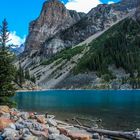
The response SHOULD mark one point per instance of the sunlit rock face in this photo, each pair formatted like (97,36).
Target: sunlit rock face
(58,27)
(98,19)
(54,18)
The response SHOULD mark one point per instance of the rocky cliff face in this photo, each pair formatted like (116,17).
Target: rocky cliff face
(53,19)
(57,27)
(98,19)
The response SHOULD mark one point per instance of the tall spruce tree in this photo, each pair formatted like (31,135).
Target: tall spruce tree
(7,70)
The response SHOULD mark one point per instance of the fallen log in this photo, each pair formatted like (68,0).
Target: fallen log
(134,135)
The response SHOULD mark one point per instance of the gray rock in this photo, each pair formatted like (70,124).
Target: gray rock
(96,136)
(29,137)
(58,137)
(26,131)
(53,130)
(10,133)
(52,122)
(19,126)
(25,115)
(6,115)
(12,126)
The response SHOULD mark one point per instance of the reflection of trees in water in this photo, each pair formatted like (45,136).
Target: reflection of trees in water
(20,100)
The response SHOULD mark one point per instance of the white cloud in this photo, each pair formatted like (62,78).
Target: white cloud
(15,39)
(82,5)
(111,2)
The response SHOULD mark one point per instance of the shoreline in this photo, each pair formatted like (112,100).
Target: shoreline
(76,90)
(16,125)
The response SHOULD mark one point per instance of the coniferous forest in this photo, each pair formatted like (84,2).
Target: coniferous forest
(120,45)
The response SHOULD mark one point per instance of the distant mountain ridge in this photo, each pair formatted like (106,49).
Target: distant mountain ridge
(18,50)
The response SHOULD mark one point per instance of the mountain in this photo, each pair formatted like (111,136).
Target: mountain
(109,59)
(54,18)
(57,27)
(113,59)
(19,49)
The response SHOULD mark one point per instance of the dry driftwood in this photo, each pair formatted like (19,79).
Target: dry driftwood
(119,134)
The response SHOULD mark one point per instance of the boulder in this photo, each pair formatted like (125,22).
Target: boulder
(5,115)
(41,119)
(4,109)
(78,136)
(19,126)
(53,130)
(58,137)
(52,122)
(10,133)
(31,115)
(96,136)
(4,122)
(30,137)
(40,133)
(63,131)
(12,126)
(24,115)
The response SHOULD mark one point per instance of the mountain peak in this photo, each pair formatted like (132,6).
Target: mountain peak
(54,17)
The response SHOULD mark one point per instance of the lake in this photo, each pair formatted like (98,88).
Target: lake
(119,110)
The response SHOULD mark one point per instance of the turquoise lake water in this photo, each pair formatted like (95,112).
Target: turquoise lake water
(117,109)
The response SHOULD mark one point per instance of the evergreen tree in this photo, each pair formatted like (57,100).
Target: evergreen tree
(27,75)
(33,79)
(7,70)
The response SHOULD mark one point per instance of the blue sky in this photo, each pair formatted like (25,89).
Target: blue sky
(19,13)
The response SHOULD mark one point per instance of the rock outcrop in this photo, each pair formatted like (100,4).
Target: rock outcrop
(53,19)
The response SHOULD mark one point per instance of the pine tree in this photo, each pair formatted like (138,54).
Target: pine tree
(27,75)
(7,70)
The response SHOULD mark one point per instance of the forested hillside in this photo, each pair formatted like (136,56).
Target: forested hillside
(120,45)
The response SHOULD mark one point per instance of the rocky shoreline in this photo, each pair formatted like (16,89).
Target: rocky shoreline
(17,125)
